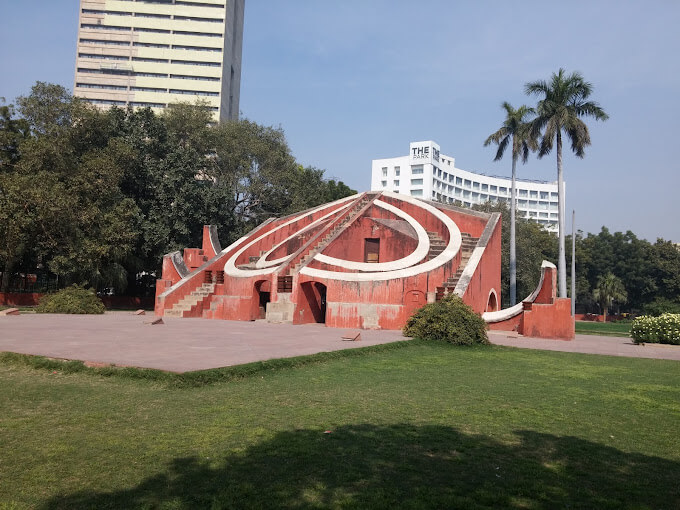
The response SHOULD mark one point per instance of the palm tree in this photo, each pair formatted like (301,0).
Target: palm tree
(515,130)
(564,101)
(609,289)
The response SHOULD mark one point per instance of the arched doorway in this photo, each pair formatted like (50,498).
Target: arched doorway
(312,303)
(261,297)
(492,303)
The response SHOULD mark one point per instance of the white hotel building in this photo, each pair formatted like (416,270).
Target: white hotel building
(428,174)
(151,53)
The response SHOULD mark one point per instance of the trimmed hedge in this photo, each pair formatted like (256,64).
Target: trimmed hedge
(664,329)
(74,299)
(449,320)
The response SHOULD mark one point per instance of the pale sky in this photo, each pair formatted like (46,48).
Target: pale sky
(356,80)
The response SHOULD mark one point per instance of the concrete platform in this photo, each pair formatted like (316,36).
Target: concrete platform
(178,345)
(181,345)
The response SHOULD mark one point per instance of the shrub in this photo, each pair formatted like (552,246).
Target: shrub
(449,320)
(74,299)
(664,329)
(660,306)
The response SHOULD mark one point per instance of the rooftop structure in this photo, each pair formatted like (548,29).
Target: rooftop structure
(154,52)
(427,173)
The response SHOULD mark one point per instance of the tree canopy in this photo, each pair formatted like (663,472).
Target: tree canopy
(98,197)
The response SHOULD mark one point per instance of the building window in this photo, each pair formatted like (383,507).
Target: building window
(152,30)
(544,195)
(148,89)
(193,92)
(194,18)
(97,86)
(467,183)
(104,27)
(148,59)
(503,191)
(102,57)
(417,192)
(416,182)
(459,181)
(196,63)
(372,250)
(105,43)
(383,183)
(415,170)
(396,183)
(485,187)
(397,171)
(384,171)
(195,48)
(189,77)
(523,193)
(150,45)
(108,102)
(533,194)
(201,34)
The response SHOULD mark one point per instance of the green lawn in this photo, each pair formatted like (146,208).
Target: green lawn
(422,426)
(603,328)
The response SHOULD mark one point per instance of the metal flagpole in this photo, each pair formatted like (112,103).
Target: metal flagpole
(573,262)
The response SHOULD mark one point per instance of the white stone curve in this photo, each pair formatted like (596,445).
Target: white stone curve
(509,313)
(230,266)
(414,257)
(452,248)
(263,262)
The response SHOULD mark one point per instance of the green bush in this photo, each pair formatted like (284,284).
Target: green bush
(449,320)
(74,299)
(664,329)
(660,306)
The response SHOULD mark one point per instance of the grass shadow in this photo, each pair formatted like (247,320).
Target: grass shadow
(403,466)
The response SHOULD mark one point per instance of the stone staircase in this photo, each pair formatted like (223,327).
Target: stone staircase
(349,216)
(193,301)
(437,245)
(468,245)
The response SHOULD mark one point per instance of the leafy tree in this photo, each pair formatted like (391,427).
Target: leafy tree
(515,132)
(563,102)
(609,289)
(73,216)
(48,107)
(308,188)
(98,197)
(12,132)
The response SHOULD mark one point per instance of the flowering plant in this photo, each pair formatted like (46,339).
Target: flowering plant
(664,329)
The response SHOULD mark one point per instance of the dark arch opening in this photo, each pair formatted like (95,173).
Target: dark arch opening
(313,305)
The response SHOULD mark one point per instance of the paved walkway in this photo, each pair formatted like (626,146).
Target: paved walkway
(181,345)
(590,344)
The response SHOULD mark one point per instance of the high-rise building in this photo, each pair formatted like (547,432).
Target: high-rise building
(155,52)
(427,173)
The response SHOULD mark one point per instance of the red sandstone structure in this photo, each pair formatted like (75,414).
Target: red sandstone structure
(366,261)
(541,315)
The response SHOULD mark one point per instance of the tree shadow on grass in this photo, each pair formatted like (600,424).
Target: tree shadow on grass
(404,466)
